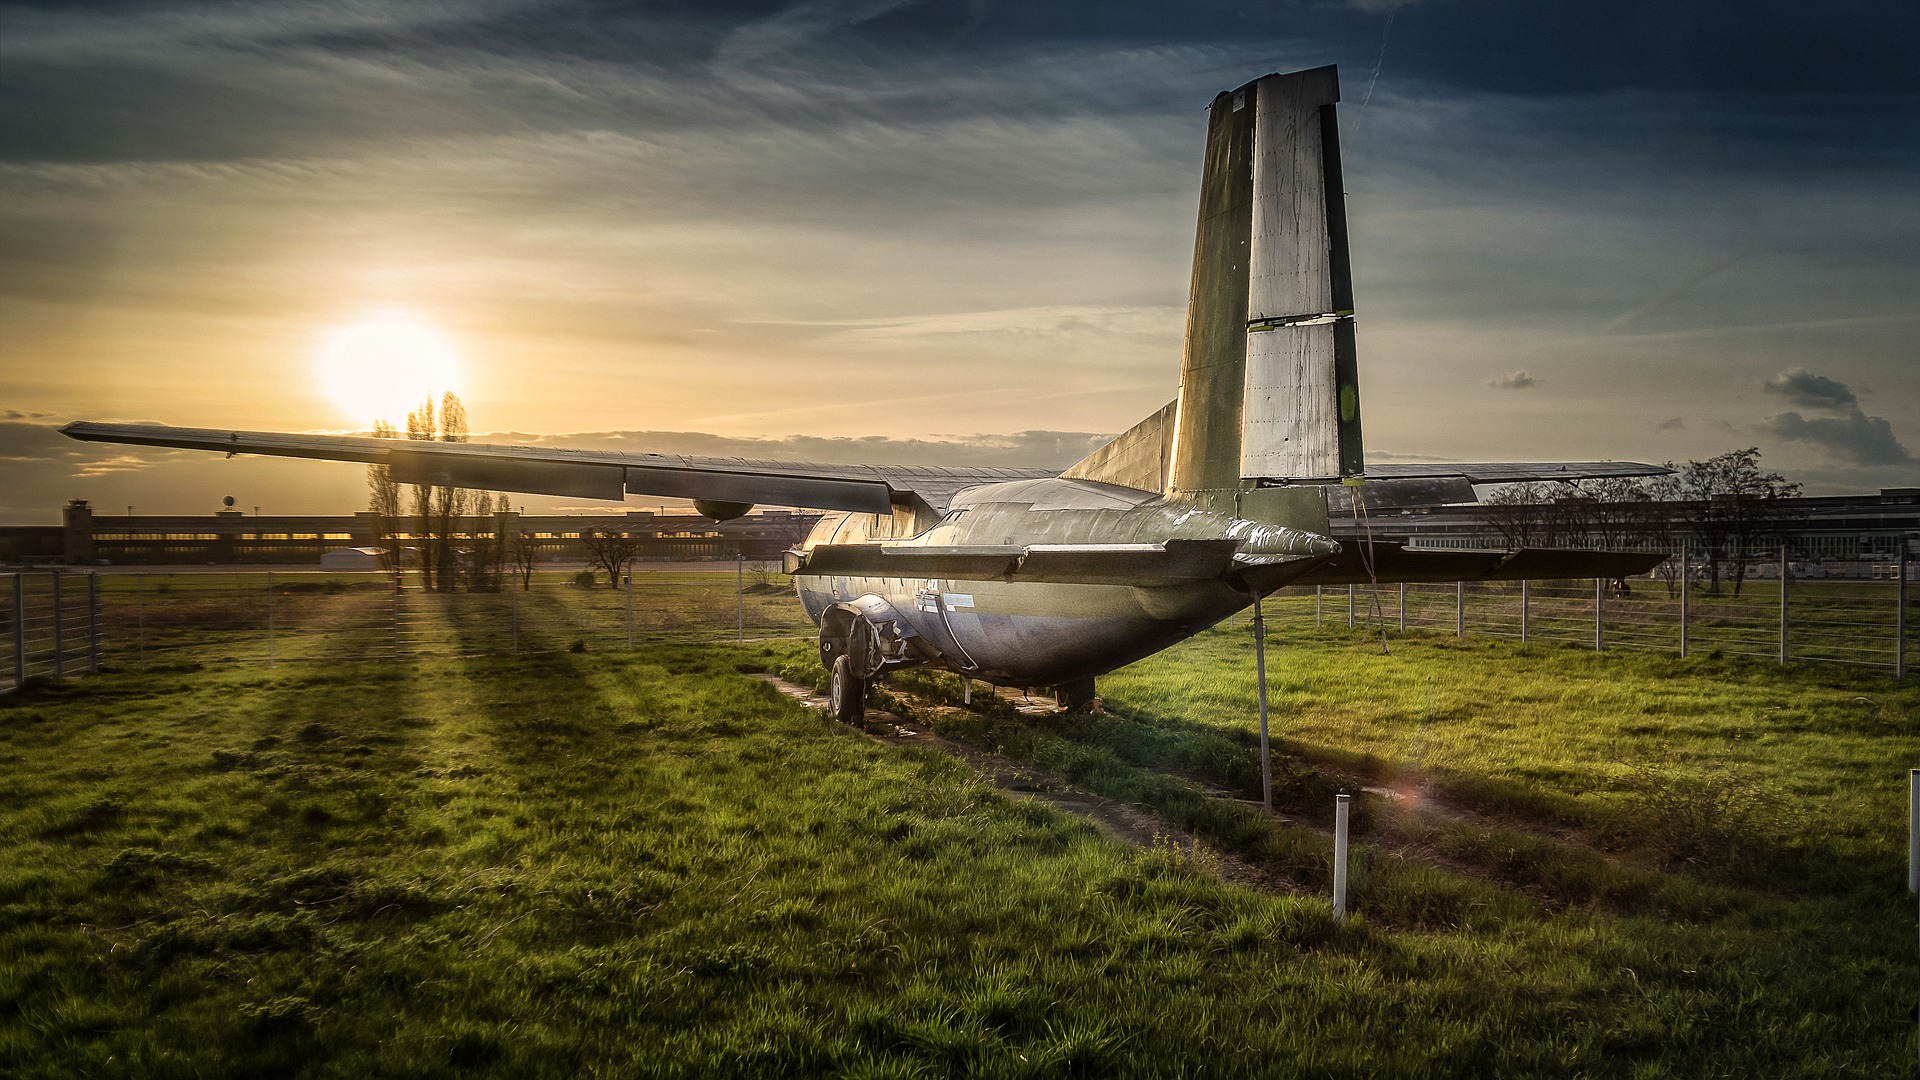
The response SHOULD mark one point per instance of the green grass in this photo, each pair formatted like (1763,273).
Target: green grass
(647,863)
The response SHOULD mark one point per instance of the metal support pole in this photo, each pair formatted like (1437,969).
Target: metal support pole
(1599,614)
(1913,831)
(629,611)
(1353,594)
(1260,682)
(59,630)
(1686,588)
(19,630)
(740,597)
(1403,607)
(1341,804)
(93,624)
(270,606)
(1459,609)
(515,633)
(966,690)
(1786,577)
(140,609)
(1316,605)
(1526,609)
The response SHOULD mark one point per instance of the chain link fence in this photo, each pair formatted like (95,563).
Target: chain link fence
(55,624)
(1863,623)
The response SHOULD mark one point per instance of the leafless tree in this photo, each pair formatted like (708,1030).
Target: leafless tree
(1521,513)
(524,551)
(1731,504)
(609,549)
(383,498)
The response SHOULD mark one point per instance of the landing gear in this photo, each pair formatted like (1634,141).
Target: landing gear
(847,693)
(1077,696)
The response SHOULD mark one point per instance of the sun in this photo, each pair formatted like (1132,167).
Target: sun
(383,366)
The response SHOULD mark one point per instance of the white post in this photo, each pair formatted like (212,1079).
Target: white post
(1686,587)
(1403,607)
(93,622)
(59,630)
(1526,608)
(19,630)
(1786,575)
(1459,609)
(1340,807)
(1316,605)
(966,691)
(1900,614)
(1599,614)
(1353,592)
(1913,831)
(1260,679)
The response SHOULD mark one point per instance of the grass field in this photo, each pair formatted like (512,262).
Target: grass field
(648,863)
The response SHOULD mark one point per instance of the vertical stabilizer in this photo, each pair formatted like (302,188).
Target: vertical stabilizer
(1268,382)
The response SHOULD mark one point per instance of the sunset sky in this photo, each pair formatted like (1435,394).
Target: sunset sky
(937,231)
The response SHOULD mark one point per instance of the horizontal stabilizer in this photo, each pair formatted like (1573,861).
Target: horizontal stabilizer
(1174,563)
(1513,472)
(1391,562)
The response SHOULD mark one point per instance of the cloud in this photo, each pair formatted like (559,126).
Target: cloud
(1810,391)
(1854,436)
(1849,435)
(1514,380)
(1671,423)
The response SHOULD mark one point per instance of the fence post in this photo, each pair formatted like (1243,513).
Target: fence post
(93,624)
(1526,602)
(1459,609)
(629,611)
(140,614)
(1786,574)
(1316,605)
(1260,681)
(1900,615)
(740,598)
(1686,589)
(1403,607)
(1341,803)
(515,632)
(59,631)
(270,606)
(1599,614)
(1353,591)
(19,630)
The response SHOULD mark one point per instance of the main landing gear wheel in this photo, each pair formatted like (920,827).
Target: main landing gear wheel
(847,697)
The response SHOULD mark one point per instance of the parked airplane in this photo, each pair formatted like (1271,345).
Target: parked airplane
(1031,578)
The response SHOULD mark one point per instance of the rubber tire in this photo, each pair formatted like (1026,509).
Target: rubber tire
(847,694)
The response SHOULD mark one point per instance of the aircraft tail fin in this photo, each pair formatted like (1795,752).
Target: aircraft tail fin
(1268,384)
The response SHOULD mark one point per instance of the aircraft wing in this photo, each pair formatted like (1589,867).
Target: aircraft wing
(589,474)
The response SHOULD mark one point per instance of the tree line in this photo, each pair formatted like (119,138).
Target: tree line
(1721,509)
(432,514)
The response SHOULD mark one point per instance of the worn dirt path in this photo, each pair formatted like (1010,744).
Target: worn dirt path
(1128,824)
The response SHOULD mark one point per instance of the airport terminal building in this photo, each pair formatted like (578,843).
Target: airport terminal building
(86,537)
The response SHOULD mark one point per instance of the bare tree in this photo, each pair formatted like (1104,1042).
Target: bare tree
(1521,514)
(609,549)
(383,498)
(524,550)
(440,507)
(1731,504)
